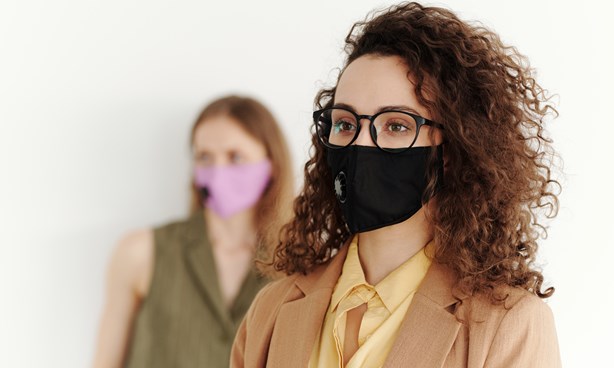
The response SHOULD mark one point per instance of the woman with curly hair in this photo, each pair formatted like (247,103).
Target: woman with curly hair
(414,237)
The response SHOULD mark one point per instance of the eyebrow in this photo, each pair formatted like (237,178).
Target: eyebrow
(380,109)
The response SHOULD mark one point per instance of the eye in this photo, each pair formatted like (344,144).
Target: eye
(203,158)
(396,127)
(343,126)
(399,126)
(236,157)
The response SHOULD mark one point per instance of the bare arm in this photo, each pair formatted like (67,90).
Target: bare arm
(128,278)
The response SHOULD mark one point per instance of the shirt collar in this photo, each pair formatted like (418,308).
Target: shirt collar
(393,289)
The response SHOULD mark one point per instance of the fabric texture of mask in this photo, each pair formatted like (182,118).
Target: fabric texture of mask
(377,188)
(231,189)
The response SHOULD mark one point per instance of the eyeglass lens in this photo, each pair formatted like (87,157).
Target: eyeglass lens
(338,127)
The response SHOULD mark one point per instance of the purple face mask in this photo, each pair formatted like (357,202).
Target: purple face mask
(233,188)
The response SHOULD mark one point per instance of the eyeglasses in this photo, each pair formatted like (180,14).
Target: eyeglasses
(391,130)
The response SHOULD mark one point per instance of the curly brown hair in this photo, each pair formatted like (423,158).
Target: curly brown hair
(498,185)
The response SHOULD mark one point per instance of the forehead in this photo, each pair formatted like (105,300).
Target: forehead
(371,82)
(220,133)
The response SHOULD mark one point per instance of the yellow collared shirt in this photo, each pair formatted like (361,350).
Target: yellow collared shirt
(387,304)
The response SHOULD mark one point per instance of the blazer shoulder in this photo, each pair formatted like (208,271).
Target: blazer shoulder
(520,332)
(522,312)
(270,298)
(516,299)
(526,335)
(274,294)
(519,297)
(522,306)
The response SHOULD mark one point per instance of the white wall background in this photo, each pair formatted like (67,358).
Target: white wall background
(96,99)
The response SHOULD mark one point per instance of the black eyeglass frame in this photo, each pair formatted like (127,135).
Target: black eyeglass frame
(420,121)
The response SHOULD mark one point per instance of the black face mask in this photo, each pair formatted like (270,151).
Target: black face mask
(377,188)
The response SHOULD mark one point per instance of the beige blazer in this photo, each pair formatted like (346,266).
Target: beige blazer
(439,330)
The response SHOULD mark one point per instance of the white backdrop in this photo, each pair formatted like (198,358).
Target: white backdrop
(97,97)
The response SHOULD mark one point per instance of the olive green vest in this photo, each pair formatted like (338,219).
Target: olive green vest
(183,321)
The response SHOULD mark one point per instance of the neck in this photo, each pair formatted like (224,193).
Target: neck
(237,232)
(383,250)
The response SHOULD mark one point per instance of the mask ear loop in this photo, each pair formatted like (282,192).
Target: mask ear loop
(204,193)
(436,171)
(440,167)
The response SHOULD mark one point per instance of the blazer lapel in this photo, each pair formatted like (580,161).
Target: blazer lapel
(201,267)
(301,316)
(430,326)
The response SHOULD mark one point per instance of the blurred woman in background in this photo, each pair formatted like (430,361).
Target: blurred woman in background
(177,293)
